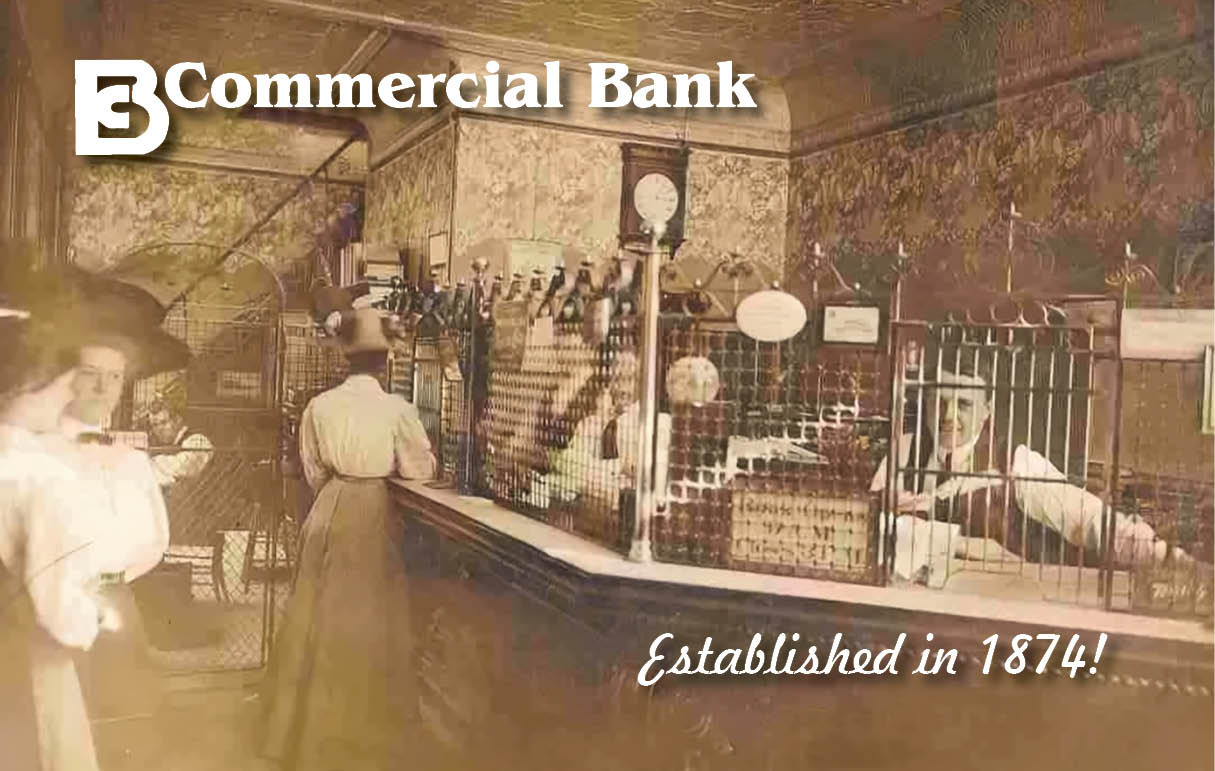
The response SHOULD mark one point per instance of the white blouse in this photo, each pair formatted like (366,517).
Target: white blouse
(50,539)
(70,514)
(133,509)
(358,430)
(581,469)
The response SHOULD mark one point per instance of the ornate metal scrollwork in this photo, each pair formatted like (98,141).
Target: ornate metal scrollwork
(818,263)
(1130,272)
(899,267)
(1188,282)
(1013,310)
(699,301)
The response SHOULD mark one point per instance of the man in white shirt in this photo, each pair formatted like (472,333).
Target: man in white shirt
(182,452)
(599,460)
(952,500)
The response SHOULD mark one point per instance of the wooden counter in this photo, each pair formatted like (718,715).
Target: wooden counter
(531,639)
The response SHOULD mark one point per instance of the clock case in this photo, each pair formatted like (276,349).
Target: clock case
(640,160)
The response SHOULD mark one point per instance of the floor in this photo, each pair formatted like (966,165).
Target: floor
(205,723)
(209,712)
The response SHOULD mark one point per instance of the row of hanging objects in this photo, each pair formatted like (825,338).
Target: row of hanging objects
(570,302)
(433,306)
(546,294)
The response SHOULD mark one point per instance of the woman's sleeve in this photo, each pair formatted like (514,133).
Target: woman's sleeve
(59,567)
(310,452)
(149,544)
(414,459)
(1070,510)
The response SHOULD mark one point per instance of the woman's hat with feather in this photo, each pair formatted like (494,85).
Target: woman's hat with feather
(358,330)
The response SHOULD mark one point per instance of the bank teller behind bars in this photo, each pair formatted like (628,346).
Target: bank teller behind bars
(600,459)
(943,515)
(181,452)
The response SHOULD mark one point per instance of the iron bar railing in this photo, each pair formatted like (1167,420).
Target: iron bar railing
(778,466)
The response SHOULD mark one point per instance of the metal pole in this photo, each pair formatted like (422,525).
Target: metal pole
(1109,517)
(896,377)
(640,550)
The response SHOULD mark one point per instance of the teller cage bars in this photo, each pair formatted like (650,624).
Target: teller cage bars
(1165,479)
(551,429)
(770,471)
(438,370)
(212,432)
(311,364)
(993,464)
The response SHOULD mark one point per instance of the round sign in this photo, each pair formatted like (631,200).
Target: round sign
(770,316)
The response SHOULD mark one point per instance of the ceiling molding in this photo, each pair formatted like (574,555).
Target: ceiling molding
(367,51)
(625,135)
(416,134)
(320,120)
(243,161)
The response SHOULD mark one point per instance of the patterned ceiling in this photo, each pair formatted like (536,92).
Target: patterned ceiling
(228,36)
(769,37)
(840,62)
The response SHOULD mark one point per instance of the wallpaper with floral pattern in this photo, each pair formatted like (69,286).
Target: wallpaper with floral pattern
(542,183)
(536,183)
(1123,155)
(738,203)
(409,198)
(118,207)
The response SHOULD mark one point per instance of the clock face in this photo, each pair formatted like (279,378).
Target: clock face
(655,198)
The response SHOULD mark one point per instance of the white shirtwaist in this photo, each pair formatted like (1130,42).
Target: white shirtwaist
(51,542)
(1069,510)
(356,429)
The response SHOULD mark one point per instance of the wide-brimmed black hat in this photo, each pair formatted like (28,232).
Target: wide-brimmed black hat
(82,308)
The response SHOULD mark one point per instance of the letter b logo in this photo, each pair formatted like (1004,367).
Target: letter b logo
(94,107)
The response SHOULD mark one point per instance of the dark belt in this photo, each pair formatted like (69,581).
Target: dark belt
(112,579)
(358,480)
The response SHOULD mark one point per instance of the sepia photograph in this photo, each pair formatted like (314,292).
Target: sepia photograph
(618,385)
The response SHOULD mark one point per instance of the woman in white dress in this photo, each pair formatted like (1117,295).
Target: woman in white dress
(76,520)
(341,683)
(50,551)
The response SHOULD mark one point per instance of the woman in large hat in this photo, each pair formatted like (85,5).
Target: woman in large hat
(52,543)
(119,337)
(81,519)
(340,689)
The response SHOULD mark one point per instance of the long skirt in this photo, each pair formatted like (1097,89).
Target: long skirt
(340,684)
(43,723)
(116,674)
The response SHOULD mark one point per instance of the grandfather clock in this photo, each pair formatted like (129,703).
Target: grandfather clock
(654,178)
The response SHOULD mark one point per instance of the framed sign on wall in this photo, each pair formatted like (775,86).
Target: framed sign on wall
(852,324)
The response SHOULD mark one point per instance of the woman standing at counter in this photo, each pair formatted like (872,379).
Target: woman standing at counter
(340,680)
